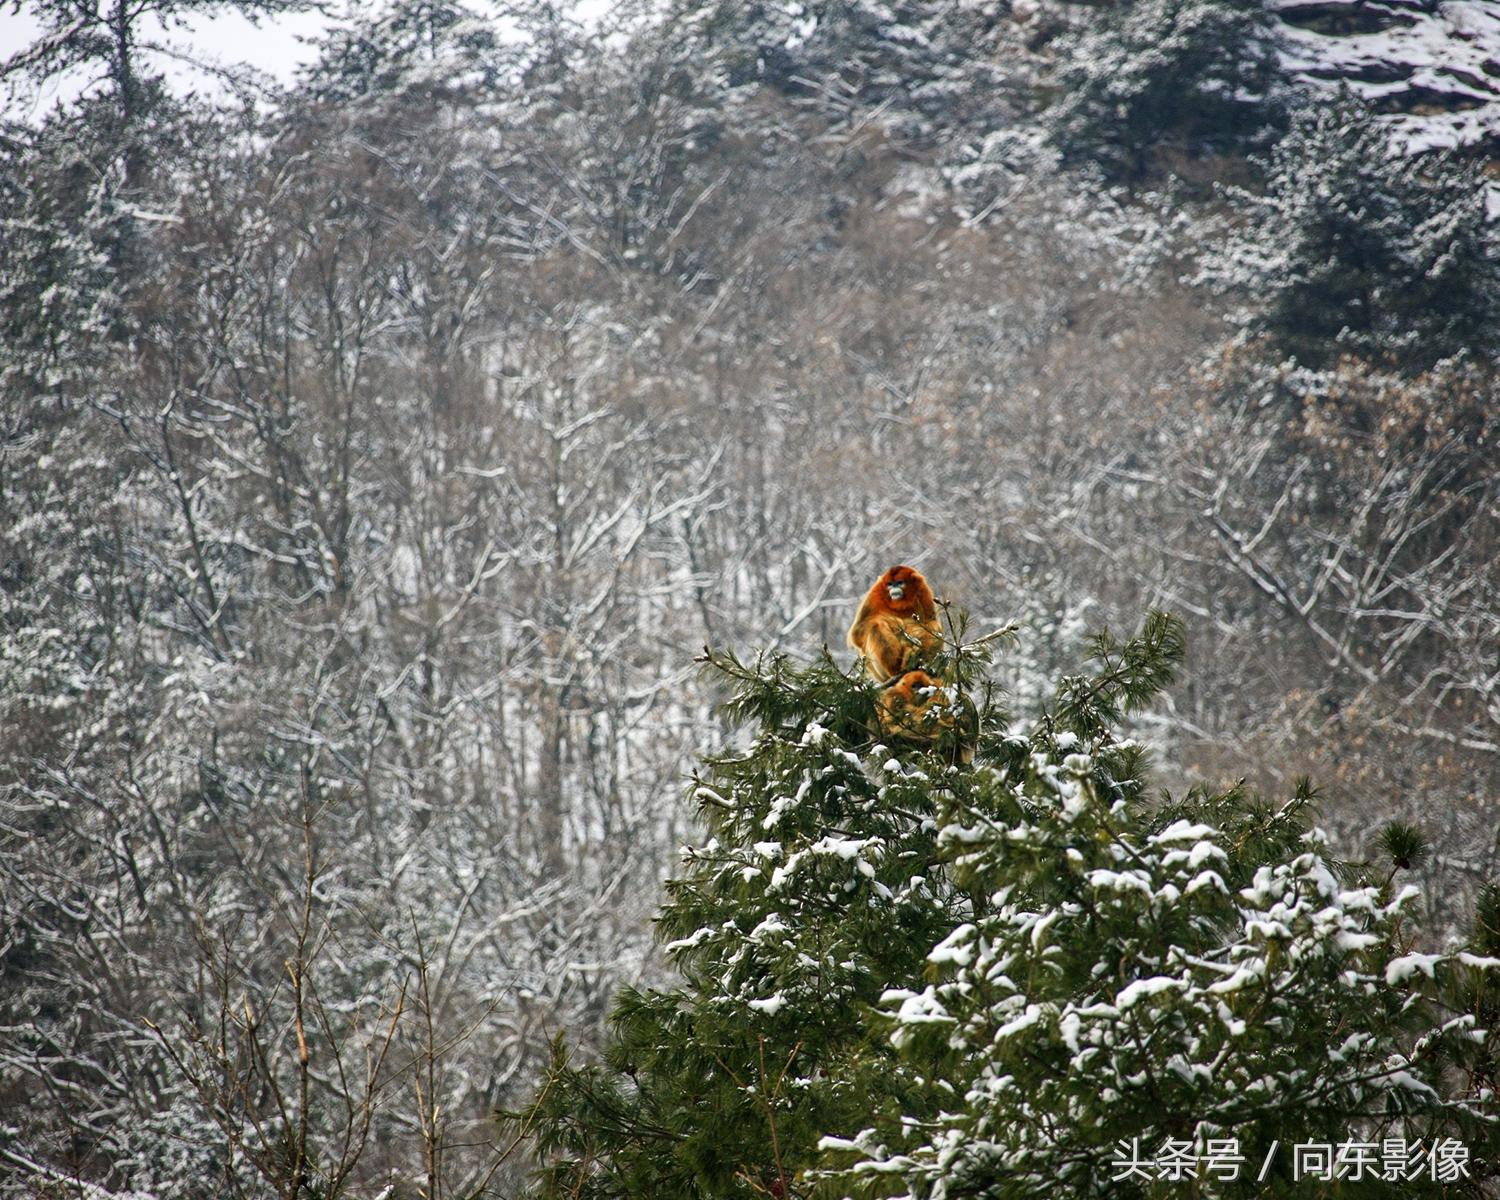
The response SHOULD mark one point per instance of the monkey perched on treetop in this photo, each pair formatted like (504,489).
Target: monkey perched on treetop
(896,626)
(896,632)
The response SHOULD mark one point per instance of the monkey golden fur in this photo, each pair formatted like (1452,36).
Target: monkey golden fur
(896,632)
(896,626)
(914,707)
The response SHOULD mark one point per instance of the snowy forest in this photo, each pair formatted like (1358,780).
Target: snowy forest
(434,494)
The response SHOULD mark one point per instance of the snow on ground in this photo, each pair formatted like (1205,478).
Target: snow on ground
(1433,68)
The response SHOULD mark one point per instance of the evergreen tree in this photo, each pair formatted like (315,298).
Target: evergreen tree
(111,46)
(431,52)
(818,890)
(1183,990)
(1354,247)
(926,64)
(59,221)
(901,976)
(1138,73)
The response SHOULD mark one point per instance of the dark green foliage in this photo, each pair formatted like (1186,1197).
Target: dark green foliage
(821,887)
(1357,247)
(896,971)
(1404,846)
(1487,920)
(818,889)
(1188,971)
(1143,979)
(924,65)
(1476,993)
(1129,675)
(1199,74)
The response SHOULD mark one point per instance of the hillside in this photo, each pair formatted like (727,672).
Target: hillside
(379,454)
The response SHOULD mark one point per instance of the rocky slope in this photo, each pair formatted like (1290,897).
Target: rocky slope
(1433,67)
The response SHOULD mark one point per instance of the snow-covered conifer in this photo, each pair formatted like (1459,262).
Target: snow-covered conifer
(1354,248)
(905,977)
(1137,74)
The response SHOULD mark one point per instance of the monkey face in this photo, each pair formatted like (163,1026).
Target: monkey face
(898,582)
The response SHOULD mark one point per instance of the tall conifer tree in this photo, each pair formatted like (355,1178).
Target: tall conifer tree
(905,976)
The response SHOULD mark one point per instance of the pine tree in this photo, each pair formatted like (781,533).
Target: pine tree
(1192,982)
(1354,247)
(903,976)
(431,52)
(1138,73)
(925,64)
(114,47)
(819,888)
(59,299)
